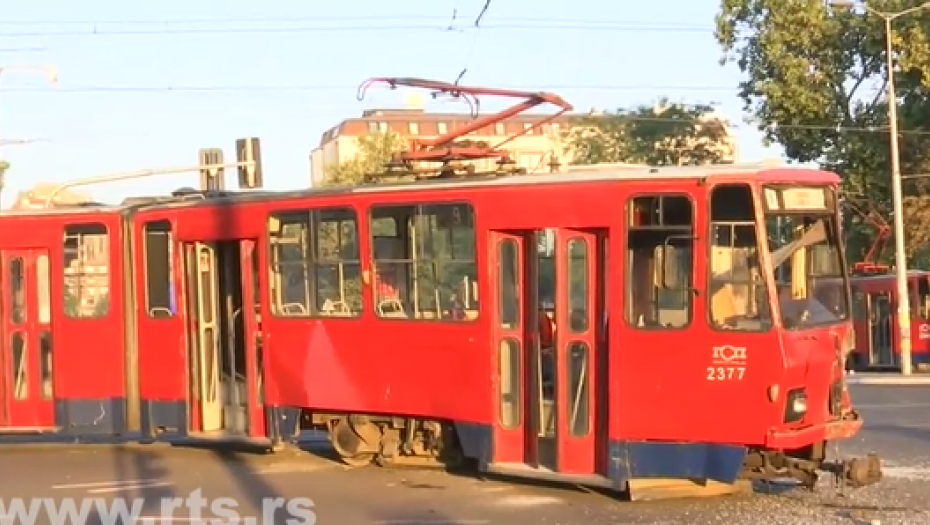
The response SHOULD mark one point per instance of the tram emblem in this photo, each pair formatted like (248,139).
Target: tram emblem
(728,354)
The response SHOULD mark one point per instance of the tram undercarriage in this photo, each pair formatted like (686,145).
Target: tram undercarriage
(361,439)
(396,441)
(767,465)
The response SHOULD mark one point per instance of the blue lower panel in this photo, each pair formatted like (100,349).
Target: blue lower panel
(634,459)
(630,460)
(163,418)
(91,416)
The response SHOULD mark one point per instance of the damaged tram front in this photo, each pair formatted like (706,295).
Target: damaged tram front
(789,292)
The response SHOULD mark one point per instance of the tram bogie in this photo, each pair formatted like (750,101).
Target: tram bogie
(361,439)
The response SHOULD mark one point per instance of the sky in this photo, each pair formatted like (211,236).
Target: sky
(145,85)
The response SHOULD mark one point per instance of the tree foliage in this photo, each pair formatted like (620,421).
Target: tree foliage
(4,166)
(374,151)
(814,83)
(662,135)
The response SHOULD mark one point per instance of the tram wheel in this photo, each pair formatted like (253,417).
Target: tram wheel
(348,444)
(358,460)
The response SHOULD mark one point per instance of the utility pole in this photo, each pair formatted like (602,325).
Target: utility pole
(897,194)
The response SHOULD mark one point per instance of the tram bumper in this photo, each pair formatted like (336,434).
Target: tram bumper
(843,427)
(853,472)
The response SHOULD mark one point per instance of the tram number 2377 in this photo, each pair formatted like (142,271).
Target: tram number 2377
(725,373)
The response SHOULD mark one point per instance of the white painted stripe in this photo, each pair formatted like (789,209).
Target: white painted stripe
(110,490)
(174,519)
(112,483)
(431,522)
(891,405)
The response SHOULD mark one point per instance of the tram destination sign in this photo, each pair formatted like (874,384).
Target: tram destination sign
(798,199)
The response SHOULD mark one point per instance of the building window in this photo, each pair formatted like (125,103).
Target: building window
(315,263)
(528,127)
(372,127)
(383,127)
(425,264)
(87,271)
(500,128)
(660,262)
(413,128)
(442,128)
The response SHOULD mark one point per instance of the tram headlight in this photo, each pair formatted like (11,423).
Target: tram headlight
(795,406)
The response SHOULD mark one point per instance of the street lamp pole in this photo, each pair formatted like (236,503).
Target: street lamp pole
(897,194)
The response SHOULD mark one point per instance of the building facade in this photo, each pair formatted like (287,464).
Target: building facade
(533,151)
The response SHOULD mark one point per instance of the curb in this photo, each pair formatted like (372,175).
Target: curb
(889,379)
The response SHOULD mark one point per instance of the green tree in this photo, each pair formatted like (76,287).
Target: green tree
(374,151)
(3,167)
(666,134)
(814,83)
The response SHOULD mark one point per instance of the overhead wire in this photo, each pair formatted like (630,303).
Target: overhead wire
(97,32)
(41,88)
(474,40)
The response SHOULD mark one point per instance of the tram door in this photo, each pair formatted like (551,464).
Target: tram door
(224,370)
(551,395)
(881,328)
(26,383)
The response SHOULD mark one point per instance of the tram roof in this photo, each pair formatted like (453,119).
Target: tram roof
(574,175)
(764,171)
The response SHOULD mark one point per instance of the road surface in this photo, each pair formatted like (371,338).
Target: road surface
(898,428)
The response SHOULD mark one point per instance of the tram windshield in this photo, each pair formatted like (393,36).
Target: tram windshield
(808,272)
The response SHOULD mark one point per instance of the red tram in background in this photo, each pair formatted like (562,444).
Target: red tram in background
(694,336)
(876,320)
(875,304)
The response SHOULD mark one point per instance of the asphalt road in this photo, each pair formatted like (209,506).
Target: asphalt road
(898,428)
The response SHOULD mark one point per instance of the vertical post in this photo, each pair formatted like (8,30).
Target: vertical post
(897,199)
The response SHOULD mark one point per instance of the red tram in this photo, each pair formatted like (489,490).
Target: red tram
(876,320)
(404,320)
(374,309)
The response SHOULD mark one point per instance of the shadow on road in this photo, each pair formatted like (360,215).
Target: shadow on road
(139,474)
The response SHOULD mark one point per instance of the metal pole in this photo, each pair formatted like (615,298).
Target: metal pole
(897,201)
(116,177)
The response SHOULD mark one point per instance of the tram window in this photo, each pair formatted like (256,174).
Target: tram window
(17,291)
(20,366)
(315,268)
(509,285)
(159,275)
(578,391)
(923,298)
(510,373)
(43,289)
(428,269)
(860,307)
(45,365)
(737,295)
(660,261)
(808,269)
(86,268)
(579,293)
